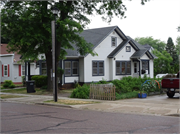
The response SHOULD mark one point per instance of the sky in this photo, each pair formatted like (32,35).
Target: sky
(157,18)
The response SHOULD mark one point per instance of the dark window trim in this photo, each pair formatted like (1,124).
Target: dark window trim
(115,41)
(121,67)
(97,67)
(129,48)
(148,65)
(71,69)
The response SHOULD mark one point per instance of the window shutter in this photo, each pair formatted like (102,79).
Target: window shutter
(19,70)
(8,70)
(2,71)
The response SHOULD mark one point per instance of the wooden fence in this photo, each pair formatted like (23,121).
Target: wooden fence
(102,92)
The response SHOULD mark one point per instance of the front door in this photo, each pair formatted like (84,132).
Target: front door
(136,69)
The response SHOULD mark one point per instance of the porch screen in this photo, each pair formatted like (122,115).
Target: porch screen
(123,67)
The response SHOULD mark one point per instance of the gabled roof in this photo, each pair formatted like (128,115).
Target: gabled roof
(139,53)
(147,46)
(118,48)
(95,37)
(5,52)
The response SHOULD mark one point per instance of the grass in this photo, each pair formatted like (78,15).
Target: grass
(71,102)
(133,94)
(24,91)
(38,91)
(6,96)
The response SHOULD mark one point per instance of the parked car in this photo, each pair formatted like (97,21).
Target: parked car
(160,75)
(170,84)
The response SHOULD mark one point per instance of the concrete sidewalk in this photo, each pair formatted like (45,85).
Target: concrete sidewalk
(159,105)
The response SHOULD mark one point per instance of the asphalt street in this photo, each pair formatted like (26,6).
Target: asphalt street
(31,118)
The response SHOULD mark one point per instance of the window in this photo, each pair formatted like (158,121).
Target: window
(5,70)
(97,68)
(113,41)
(71,68)
(135,67)
(128,48)
(145,65)
(23,69)
(123,67)
(44,69)
(74,67)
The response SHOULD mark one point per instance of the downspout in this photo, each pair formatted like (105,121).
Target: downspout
(139,67)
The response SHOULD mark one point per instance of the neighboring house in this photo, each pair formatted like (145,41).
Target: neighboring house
(148,47)
(11,67)
(118,56)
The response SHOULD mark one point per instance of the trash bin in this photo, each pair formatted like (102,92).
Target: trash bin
(30,86)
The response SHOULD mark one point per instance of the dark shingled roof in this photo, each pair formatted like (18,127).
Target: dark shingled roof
(139,53)
(94,36)
(147,46)
(97,35)
(118,48)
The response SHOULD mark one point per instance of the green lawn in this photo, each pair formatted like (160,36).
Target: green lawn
(38,91)
(6,96)
(24,91)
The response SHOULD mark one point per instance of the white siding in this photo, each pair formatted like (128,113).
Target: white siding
(144,57)
(71,79)
(103,50)
(151,62)
(123,55)
(81,70)
(7,60)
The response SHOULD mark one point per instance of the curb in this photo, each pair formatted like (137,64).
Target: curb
(51,104)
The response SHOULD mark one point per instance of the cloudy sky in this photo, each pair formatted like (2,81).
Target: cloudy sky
(157,18)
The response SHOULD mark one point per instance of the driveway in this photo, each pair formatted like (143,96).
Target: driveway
(153,105)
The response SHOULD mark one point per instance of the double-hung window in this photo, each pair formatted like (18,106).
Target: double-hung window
(123,67)
(145,65)
(5,70)
(71,68)
(23,69)
(113,41)
(44,69)
(98,68)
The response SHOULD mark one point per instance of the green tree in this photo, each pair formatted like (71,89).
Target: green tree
(178,45)
(155,43)
(170,48)
(162,63)
(28,26)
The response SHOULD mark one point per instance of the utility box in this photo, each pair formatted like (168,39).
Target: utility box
(30,86)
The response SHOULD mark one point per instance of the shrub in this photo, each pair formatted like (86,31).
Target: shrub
(12,86)
(44,87)
(40,80)
(81,92)
(7,83)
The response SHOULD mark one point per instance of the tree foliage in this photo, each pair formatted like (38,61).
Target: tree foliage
(178,45)
(28,26)
(162,63)
(155,43)
(170,48)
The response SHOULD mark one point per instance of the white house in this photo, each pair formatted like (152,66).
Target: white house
(118,56)
(11,67)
